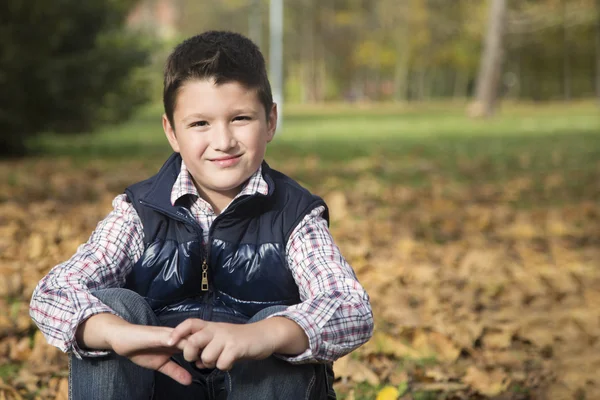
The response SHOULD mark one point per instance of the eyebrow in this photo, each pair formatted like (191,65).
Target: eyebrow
(243,111)
(194,116)
(235,111)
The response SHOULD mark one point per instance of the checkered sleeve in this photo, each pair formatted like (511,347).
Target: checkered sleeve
(335,311)
(63,299)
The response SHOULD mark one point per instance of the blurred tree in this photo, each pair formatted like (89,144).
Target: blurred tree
(490,70)
(598,50)
(66,66)
(410,49)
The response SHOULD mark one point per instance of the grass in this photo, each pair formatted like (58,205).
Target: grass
(413,144)
(8,370)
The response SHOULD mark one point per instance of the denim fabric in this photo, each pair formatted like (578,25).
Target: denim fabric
(115,377)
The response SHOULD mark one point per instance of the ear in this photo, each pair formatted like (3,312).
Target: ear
(170,133)
(272,123)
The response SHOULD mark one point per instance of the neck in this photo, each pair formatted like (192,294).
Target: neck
(218,200)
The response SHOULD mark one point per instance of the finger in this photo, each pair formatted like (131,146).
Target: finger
(195,344)
(226,360)
(186,328)
(211,353)
(176,372)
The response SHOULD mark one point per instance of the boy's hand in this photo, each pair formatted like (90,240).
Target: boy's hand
(144,345)
(220,345)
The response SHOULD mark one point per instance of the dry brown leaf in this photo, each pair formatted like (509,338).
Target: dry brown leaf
(27,380)
(445,387)
(444,348)
(490,383)
(498,338)
(382,343)
(35,246)
(45,358)
(6,325)
(11,282)
(62,393)
(21,350)
(338,204)
(349,368)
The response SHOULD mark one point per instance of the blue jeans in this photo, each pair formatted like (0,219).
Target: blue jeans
(116,377)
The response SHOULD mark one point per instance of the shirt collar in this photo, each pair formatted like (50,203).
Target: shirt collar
(184,185)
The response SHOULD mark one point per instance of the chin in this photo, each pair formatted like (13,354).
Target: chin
(227,186)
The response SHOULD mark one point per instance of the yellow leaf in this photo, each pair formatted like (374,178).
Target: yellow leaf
(388,393)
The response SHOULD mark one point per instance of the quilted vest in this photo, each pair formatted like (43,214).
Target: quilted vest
(245,268)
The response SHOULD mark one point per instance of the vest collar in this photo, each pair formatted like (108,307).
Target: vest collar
(159,193)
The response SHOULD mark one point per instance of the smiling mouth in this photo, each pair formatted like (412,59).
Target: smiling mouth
(228,161)
(227,158)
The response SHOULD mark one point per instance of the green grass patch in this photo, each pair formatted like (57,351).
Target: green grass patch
(9,370)
(407,144)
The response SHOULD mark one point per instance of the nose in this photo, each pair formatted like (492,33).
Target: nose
(222,139)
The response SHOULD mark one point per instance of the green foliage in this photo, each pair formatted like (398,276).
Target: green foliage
(66,66)
(417,49)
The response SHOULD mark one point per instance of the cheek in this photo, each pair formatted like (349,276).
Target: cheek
(195,142)
(253,138)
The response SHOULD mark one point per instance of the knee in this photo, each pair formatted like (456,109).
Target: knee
(128,304)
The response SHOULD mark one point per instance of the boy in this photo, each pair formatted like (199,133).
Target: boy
(218,273)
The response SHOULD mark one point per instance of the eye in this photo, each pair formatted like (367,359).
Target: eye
(242,118)
(198,123)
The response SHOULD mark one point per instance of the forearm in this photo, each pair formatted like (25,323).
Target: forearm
(64,298)
(288,337)
(94,333)
(334,326)
(59,304)
(335,311)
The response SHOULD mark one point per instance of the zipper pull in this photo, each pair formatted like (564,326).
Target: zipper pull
(204,284)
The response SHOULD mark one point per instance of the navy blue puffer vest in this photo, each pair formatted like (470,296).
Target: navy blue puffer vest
(247,267)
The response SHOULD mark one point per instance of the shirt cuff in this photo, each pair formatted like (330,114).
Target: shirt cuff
(80,318)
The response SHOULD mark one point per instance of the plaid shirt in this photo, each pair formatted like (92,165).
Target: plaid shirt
(335,312)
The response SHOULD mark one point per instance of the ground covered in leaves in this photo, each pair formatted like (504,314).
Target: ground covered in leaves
(481,288)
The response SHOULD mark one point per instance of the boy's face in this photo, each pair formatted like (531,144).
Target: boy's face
(221,133)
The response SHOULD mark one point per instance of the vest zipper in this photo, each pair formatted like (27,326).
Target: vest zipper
(204,284)
(204,287)
(232,207)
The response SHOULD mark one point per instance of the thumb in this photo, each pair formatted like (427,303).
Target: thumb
(176,372)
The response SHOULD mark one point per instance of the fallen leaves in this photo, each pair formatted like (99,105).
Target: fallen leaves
(472,296)
(489,383)
(349,368)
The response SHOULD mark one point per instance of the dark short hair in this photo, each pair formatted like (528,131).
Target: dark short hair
(219,55)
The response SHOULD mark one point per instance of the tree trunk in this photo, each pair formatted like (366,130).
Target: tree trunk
(421,84)
(401,73)
(490,68)
(307,54)
(566,58)
(255,22)
(598,50)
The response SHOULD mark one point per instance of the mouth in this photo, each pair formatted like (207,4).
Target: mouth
(225,158)
(226,161)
